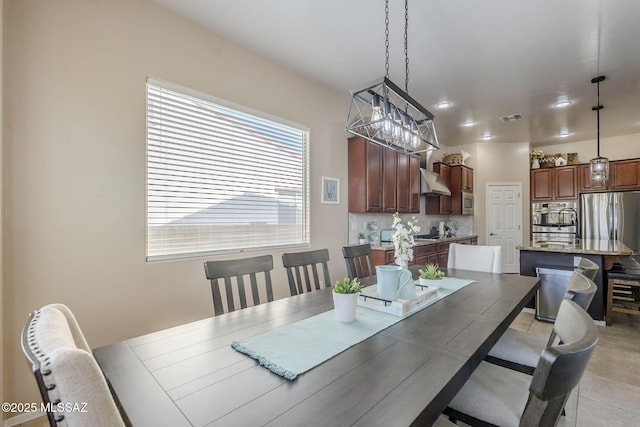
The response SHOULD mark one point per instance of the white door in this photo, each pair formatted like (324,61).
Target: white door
(504,221)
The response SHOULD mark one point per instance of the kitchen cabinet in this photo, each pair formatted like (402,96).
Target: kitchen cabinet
(440,205)
(431,253)
(382,179)
(548,184)
(623,175)
(461,182)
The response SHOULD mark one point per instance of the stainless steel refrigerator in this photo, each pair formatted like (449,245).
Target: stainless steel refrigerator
(611,216)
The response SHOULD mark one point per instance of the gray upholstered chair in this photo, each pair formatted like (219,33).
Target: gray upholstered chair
(502,397)
(588,268)
(520,350)
(298,265)
(66,371)
(238,269)
(475,258)
(358,260)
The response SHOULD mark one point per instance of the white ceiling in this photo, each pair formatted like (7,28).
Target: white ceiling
(488,58)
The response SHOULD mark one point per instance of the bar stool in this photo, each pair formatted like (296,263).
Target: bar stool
(623,294)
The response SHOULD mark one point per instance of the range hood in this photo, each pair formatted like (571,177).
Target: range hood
(432,183)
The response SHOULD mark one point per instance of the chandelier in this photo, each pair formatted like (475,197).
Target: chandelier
(599,166)
(383,113)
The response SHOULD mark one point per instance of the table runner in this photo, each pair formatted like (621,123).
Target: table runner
(296,348)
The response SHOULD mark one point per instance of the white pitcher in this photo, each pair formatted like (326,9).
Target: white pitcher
(394,282)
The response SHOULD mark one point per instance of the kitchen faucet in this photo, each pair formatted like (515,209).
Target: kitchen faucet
(575,215)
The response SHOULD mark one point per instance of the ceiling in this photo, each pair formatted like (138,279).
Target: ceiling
(488,58)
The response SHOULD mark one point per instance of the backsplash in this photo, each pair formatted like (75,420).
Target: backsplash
(371,223)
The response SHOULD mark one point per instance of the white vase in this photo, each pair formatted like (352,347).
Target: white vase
(363,241)
(433,283)
(403,264)
(535,164)
(345,306)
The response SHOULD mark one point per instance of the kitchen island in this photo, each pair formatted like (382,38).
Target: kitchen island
(564,256)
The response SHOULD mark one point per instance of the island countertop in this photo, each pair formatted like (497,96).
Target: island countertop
(583,246)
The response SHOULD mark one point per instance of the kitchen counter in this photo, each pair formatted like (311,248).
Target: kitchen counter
(583,246)
(387,246)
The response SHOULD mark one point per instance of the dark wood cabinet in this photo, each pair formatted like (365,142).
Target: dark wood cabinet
(461,182)
(434,253)
(389,179)
(559,183)
(584,180)
(440,205)
(382,179)
(625,174)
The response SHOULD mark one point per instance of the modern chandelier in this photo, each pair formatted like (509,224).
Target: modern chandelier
(383,113)
(599,166)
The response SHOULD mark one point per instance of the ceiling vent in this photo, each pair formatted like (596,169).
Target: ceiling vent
(511,118)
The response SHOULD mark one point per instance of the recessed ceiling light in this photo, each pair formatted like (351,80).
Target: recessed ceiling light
(562,103)
(563,133)
(468,123)
(443,105)
(487,136)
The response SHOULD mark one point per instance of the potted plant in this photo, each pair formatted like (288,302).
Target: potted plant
(345,299)
(431,275)
(362,238)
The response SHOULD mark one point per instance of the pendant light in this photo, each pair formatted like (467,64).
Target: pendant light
(383,113)
(599,166)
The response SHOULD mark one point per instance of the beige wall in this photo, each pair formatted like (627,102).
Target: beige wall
(614,148)
(2,234)
(75,163)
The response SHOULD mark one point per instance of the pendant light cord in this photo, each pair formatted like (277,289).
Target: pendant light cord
(386,38)
(406,46)
(598,107)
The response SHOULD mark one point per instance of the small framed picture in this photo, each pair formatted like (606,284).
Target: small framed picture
(330,190)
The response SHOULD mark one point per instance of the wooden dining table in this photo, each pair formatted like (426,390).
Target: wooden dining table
(404,375)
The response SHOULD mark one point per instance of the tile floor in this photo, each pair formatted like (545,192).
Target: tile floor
(609,393)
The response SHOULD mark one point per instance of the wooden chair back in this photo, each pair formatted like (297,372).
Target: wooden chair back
(66,371)
(237,269)
(358,260)
(298,265)
(561,366)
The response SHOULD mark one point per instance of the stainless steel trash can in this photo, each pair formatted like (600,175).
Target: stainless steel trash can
(553,286)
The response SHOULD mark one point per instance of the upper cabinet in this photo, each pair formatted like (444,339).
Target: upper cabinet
(440,205)
(559,183)
(382,179)
(623,175)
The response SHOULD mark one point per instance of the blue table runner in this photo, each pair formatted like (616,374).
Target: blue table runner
(298,347)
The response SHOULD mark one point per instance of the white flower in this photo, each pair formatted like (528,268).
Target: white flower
(403,240)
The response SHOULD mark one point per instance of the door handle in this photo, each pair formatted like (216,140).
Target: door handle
(493,234)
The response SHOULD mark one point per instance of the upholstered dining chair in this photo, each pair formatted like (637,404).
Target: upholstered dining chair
(475,258)
(519,350)
(358,260)
(299,264)
(66,371)
(498,396)
(227,270)
(588,268)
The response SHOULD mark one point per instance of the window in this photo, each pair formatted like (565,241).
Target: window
(221,179)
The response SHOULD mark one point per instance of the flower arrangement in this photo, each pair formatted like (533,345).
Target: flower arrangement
(403,238)
(537,154)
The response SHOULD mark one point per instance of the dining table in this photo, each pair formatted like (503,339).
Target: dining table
(403,375)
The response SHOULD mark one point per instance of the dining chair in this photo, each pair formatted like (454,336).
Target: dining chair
(519,350)
(298,265)
(358,260)
(588,268)
(238,269)
(65,370)
(498,396)
(475,258)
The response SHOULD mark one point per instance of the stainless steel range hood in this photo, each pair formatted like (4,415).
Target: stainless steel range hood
(432,183)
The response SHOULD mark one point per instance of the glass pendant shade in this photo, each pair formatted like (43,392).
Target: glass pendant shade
(599,171)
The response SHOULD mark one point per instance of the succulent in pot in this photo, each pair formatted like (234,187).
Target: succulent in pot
(345,299)
(431,275)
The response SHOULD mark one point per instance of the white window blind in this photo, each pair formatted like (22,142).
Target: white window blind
(220,179)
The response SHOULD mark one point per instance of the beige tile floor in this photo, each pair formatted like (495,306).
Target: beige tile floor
(609,393)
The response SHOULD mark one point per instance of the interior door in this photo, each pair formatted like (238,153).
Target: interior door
(504,222)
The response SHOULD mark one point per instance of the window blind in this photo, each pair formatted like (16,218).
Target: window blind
(220,179)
